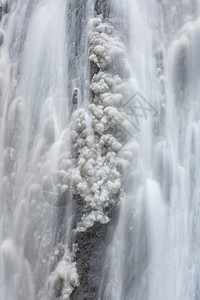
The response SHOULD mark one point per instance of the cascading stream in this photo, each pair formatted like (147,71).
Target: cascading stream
(34,146)
(154,252)
(100,150)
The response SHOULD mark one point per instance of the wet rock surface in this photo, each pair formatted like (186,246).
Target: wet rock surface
(92,243)
(102,7)
(90,256)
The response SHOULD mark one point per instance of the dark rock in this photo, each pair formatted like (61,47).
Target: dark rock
(90,256)
(75,98)
(1,12)
(5,7)
(94,69)
(58,286)
(91,244)
(102,7)
(78,19)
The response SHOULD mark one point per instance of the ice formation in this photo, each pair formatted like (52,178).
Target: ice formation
(65,277)
(96,177)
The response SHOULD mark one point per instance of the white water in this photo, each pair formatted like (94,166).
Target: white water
(154,254)
(34,143)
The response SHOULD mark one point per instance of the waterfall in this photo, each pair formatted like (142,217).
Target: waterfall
(34,146)
(154,252)
(99,150)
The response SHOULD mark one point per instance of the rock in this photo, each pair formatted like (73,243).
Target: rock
(90,256)
(102,7)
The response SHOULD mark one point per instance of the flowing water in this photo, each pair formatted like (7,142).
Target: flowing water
(44,77)
(35,111)
(154,254)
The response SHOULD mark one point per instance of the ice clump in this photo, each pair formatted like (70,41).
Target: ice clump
(88,220)
(97,151)
(65,276)
(104,46)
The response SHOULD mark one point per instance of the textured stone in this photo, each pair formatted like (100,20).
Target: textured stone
(102,7)
(90,256)
(92,243)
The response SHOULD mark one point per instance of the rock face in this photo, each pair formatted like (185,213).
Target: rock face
(91,244)
(90,257)
(99,137)
(102,7)
(96,211)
